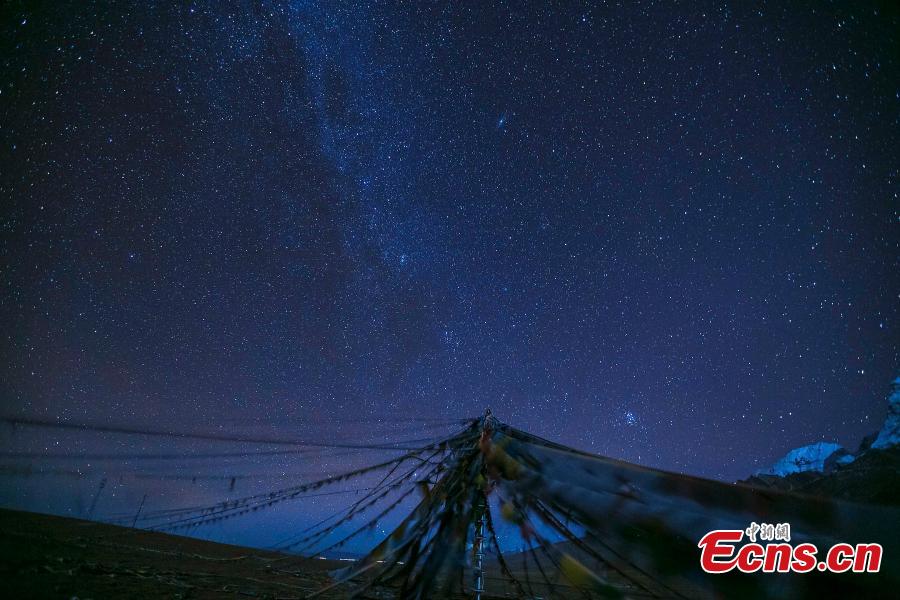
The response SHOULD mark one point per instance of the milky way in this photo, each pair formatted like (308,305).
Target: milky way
(666,234)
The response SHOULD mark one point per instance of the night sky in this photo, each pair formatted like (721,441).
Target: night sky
(666,233)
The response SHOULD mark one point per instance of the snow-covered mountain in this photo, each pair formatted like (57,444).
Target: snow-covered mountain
(871,474)
(890,432)
(823,457)
(807,458)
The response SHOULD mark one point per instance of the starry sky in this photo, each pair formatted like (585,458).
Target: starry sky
(662,232)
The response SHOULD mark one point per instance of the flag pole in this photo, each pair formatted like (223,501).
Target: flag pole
(478,540)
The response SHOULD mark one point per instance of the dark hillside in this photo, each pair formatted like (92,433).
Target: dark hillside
(43,556)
